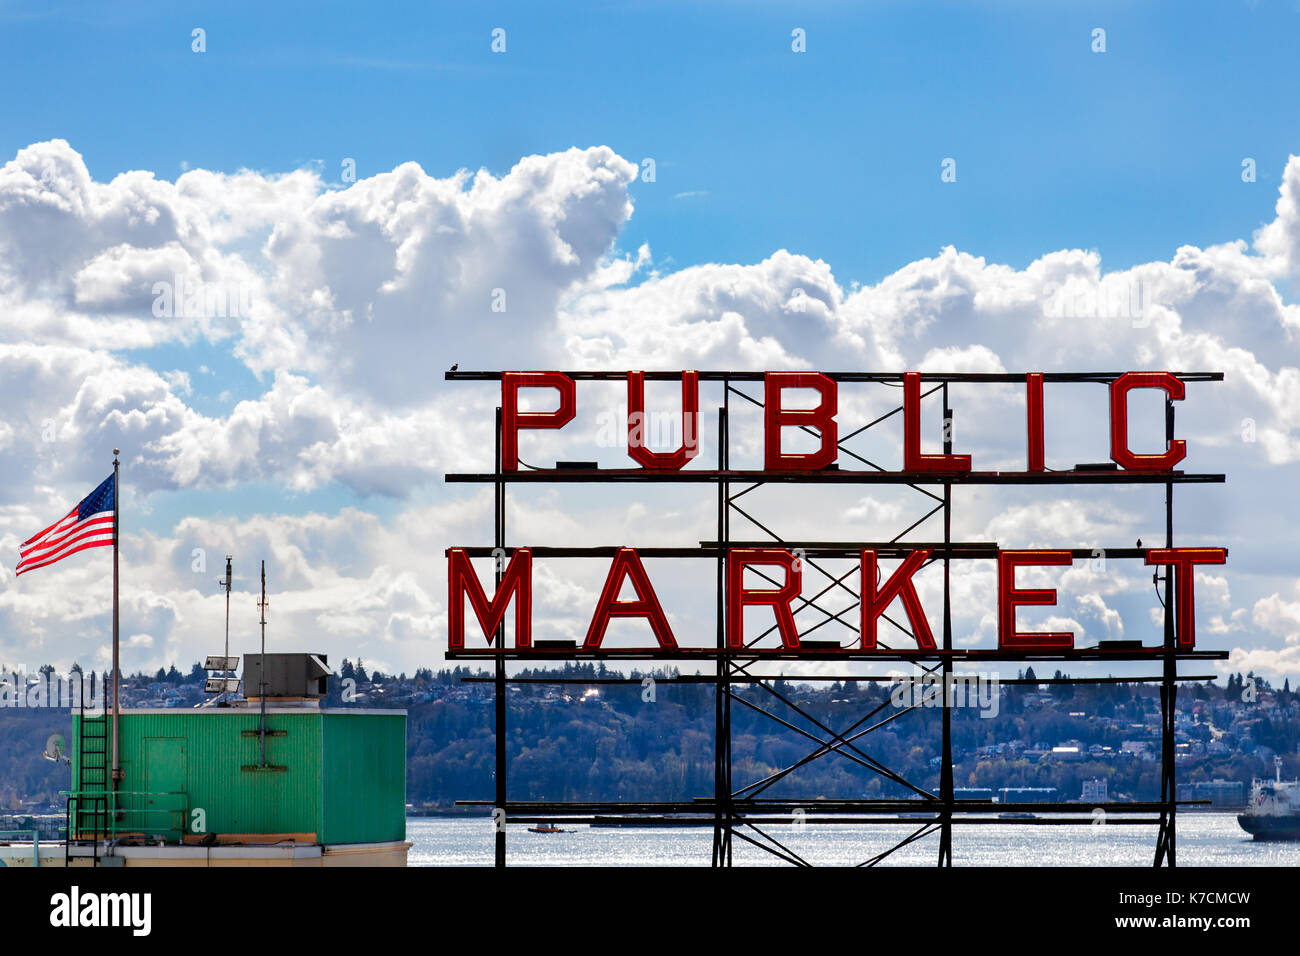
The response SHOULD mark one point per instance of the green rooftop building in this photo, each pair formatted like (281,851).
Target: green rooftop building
(211,787)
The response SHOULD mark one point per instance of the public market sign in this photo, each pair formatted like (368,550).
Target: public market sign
(782,568)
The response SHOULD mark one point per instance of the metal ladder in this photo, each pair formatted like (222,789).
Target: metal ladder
(87,811)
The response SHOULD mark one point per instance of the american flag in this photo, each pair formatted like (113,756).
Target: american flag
(89,525)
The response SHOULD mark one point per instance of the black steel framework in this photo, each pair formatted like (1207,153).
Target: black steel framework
(741,813)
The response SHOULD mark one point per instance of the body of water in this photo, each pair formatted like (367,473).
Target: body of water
(1204,839)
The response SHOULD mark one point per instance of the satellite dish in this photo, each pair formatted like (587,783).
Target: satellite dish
(54,749)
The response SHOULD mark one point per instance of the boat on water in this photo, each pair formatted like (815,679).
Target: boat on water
(1274,811)
(546,828)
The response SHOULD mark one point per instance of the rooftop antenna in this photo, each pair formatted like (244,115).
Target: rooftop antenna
(225,665)
(225,583)
(261,671)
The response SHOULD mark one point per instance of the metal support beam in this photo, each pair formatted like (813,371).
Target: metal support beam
(1166,837)
(502,750)
(945,771)
(742,813)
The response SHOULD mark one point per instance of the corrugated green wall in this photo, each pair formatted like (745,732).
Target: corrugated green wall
(365,777)
(345,779)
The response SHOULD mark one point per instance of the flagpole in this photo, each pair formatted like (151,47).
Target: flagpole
(117,674)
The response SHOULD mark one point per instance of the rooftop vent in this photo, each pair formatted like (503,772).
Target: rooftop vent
(288,677)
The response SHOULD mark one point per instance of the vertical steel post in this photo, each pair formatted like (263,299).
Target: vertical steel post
(724,441)
(945,773)
(722,689)
(117,670)
(1166,839)
(499,521)
(227,582)
(261,669)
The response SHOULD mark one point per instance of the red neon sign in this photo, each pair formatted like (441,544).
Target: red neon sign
(1034,403)
(1119,450)
(913,460)
(636,424)
(740,597)
(512,419)
(462,582)
(1010,597)
(780,568)
(900,586)
(627,566)
(1184,561)
(821,418)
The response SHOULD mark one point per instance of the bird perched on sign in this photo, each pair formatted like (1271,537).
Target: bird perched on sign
(455,366)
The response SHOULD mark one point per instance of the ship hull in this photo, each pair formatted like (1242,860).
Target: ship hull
(1269,827)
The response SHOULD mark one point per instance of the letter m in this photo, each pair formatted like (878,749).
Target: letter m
(116,909)
(516,583)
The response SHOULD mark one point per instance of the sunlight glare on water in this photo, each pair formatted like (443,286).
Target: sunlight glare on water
(1204,839)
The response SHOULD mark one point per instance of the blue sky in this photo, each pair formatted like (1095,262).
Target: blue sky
(316,429)
(1133,151)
